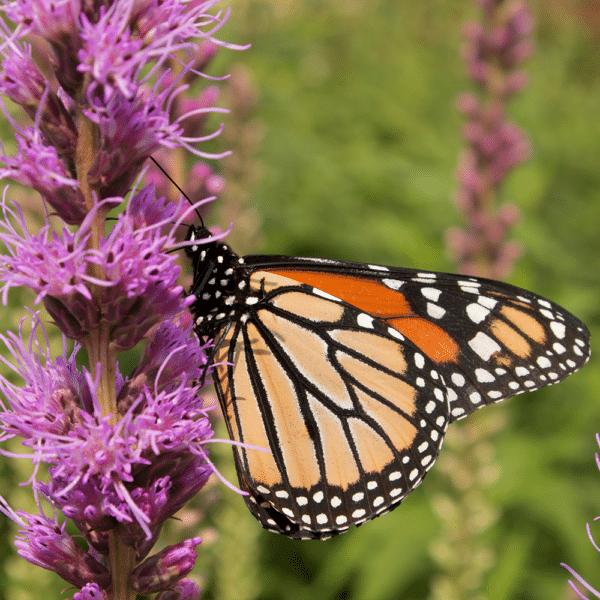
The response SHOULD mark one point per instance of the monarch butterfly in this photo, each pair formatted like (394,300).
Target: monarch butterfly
(349,373)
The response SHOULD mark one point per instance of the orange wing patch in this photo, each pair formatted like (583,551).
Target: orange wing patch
(437,343)
(374,453)
(386,304)
(297,449)
(526,323)
(340,463)
(397,428)
(368,295)
(511,338)
(240,407)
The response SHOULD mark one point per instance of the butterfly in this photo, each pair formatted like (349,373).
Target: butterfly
(349,374)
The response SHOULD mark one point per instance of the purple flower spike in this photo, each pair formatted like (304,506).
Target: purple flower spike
(170,353)
(492,51)
(141,279)
(44,543)
(90,591)
(54,267)
(182,590)
(22,81)
(122,452)
(38,165)
(159,572)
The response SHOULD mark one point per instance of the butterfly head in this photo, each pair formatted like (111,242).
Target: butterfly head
(197,233)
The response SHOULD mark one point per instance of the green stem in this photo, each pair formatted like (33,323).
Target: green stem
(102,360)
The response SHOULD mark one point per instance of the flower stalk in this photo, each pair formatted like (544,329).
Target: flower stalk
(493,50)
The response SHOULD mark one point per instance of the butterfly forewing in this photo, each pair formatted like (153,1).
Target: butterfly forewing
(491,340)
(339,379)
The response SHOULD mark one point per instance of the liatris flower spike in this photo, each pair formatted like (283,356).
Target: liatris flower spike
(124,452)
(492,52)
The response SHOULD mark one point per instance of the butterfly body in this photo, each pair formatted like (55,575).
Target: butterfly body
(349,374)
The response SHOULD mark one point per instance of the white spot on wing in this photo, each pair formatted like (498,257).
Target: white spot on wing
(395,333)
(458,379)
(318,292)
(393,284)
(484,376)
(365,320)
(475,397)
(477,313)
(558,329)
(487,302)
(432,294)
(484,346)
(435,311)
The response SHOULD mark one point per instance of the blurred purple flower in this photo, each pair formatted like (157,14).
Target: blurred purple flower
(123,452)
(492,51)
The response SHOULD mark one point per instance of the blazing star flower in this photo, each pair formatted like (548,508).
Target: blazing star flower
(123,452)
(492,51)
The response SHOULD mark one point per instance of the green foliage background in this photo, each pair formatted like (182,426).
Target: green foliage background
(356,100)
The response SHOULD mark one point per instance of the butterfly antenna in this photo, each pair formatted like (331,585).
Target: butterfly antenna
(177,186)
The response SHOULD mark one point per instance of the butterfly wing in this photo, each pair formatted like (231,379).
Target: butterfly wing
(348,428)
(348,375)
